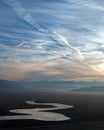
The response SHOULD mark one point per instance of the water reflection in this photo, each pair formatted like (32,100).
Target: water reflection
(40,113)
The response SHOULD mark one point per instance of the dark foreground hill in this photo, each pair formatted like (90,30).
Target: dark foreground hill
(87,113)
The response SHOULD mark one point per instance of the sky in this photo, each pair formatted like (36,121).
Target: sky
(52,40)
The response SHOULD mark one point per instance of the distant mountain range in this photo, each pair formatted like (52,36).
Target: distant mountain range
(49,85)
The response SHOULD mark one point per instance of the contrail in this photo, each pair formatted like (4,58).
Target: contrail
(23,14)
(75,50)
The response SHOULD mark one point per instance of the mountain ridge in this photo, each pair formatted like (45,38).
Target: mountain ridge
(90,89)
(6,84)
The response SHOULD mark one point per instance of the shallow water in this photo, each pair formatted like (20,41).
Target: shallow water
(39,113)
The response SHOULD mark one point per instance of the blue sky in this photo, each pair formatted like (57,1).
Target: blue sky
(52,40)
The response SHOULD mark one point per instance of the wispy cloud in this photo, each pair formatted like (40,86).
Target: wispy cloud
(51,34)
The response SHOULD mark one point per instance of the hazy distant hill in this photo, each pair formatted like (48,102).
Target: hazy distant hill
(5,84)
(90,89)
(69,85)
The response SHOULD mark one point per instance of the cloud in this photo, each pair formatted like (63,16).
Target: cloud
(42,36)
